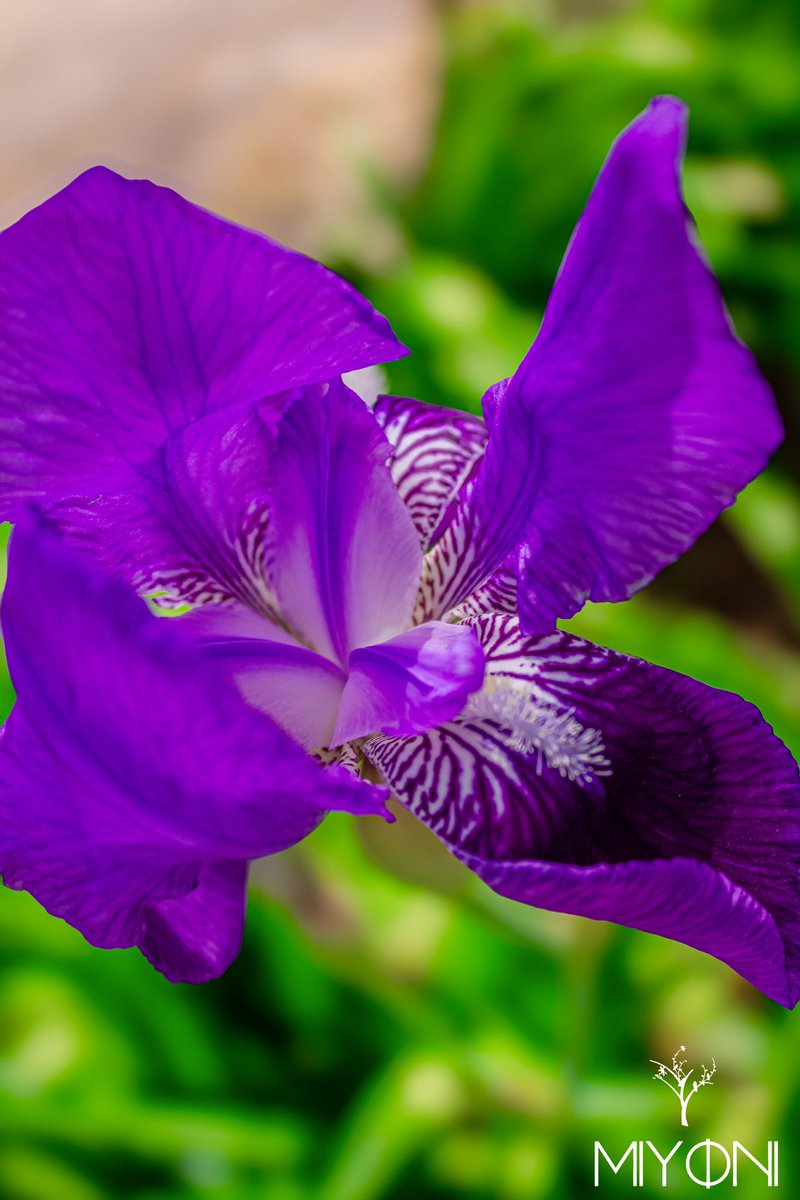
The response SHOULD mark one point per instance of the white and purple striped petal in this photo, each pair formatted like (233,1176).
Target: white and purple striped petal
(191,527)
(434,452)
(588,782)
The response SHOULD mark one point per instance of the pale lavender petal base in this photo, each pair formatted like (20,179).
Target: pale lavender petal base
(299,689)
(342,552)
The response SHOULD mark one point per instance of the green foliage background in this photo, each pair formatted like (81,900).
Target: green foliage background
(392,1029)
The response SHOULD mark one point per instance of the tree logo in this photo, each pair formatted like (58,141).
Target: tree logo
(706,1164)
(680,1081)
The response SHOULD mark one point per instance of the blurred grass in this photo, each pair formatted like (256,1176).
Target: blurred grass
(392,1029)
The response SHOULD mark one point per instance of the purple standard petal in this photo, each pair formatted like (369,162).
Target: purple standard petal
(343,555)
(126,313)
(434,452)
(410,683)
(636,416)
(134,780)
(587,782)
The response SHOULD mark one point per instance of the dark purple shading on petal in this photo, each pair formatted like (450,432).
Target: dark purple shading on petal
(126,313)
(342,552)
(410,683)
(196,937)
(694,834)
(636,416)
(130,768)
(434,451)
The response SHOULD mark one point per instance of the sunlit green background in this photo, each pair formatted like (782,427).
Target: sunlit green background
(392,1029)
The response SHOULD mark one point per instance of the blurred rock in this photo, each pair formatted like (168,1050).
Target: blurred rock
(270,111)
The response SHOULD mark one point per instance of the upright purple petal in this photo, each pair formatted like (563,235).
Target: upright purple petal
(126,313)
(587,782)
(635,418)
(130,768)
(410,683)
(434,452)
(343,555)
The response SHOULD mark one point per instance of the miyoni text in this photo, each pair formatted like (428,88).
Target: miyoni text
(706,1163)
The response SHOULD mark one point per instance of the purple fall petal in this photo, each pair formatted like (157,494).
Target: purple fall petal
(342,552)
(635,418)
(126,313)
(410,683)
(130,767)
(194,938)
(587,782)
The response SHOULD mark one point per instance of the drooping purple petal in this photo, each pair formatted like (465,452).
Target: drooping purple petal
(434,450)
(126,313)
(587,782)
(410,683)
(635,418)
(194,938)
(343,555)
(130,767)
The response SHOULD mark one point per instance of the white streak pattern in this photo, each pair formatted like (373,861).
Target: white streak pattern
(540,728)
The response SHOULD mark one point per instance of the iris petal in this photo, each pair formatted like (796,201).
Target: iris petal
(130,767)
(666,805)
(410,683)
(126,313)
(191,527)
(635,418)
(194,938)
(434,451)
(343,555)
(299,689)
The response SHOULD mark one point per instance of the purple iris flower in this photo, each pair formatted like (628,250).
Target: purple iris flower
(381,582)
